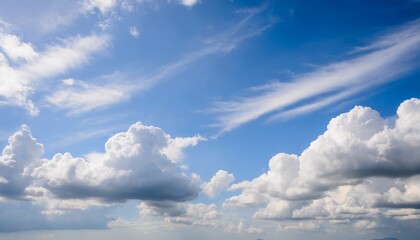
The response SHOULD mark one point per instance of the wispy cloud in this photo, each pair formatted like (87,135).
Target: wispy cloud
(83,97)
(383,61)
(91,96)
(23,69)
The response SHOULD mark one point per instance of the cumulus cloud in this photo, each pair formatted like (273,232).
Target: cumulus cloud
(132,167)
(360,164)
(219,182)
(199,214)
(357,145)
(21,154)
(185,213)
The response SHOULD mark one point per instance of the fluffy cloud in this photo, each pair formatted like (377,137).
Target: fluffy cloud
(219,182)
(132,167)
(18,158)
(194,214)
(360,164)
(357,145)
(185,213)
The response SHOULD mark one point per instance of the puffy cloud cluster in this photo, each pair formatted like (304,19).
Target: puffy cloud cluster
(219,182)
(21,154)
(186,213)
(135,165)
(360,164)
(194,214)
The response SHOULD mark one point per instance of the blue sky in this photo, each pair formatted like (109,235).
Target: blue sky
(205,119)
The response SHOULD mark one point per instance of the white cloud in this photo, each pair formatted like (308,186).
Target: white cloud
(405,194)
(189,3)
(104,6)
(134,31)
(360,165)
(132,167)
(185,213)
(57,59)
(218,183)
(78,97)
(175,146)
(20,81)
(299,226)
(16,49)
(357,145)
(199,214)
(21,154)
(365,224)
(127,6)
(383,61)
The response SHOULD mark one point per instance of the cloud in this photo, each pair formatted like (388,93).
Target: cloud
(134,31)
(80,97)
(30,68)
(198,214)
(156,3)
(16,49)
(383,61)
(189,3)
(300,226)
(21,154)
(104,6)
(219,182)
(183,213)
(361,164)
(132,167)
(175,146)
(87,97)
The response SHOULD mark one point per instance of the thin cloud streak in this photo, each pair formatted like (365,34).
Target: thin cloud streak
(73,99)
(224,43)
(383,61)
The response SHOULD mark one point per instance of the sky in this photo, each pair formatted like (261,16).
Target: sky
(209,119)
